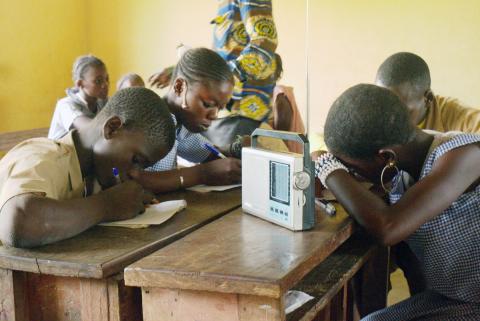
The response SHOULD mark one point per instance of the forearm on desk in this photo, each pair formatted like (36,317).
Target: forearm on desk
(29,220)
(172,180)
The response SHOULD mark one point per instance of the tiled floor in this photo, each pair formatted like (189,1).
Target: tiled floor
(399,289)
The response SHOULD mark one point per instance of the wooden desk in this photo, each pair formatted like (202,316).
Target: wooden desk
(78,278)
(10,139)
(236,268)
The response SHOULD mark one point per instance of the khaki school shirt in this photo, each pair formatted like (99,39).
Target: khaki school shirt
(41,165)
(447,114)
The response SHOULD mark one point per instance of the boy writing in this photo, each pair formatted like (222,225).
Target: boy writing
(42,181)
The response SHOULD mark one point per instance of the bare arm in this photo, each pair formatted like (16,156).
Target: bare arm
(282,113)
(29,220)
(217,172)
(452,175)
(161,79)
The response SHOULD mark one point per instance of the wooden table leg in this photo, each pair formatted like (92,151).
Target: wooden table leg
(40,297)
(11,298)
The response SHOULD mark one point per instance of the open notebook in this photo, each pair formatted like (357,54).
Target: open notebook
(155,214)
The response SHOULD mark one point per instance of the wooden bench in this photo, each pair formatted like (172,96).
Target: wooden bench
(81,278)
(238,268)
(10,139)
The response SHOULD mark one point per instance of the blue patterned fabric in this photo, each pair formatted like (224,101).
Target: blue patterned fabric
(448,248)
(187,145)
(246,37)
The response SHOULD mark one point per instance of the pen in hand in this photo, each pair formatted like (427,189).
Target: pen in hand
(214,150)
(116,175)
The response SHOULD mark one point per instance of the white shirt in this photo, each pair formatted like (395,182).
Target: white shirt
(67,110)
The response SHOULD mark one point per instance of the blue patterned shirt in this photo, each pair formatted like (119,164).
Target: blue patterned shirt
(188,145)
(448,246)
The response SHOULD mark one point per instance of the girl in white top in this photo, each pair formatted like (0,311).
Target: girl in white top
(83,101)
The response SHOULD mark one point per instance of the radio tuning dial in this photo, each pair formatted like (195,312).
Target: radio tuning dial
(301,180)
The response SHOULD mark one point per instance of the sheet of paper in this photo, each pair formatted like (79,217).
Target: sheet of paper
(154,215)
(209,188)
(295,299)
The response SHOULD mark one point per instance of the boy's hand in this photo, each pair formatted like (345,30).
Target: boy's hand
(222,171)
(125,200)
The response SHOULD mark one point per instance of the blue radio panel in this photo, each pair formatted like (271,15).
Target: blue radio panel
(279,203)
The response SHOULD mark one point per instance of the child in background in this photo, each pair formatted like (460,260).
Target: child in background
(434,191)
(408,76)
(130,80)
(83,101)
(42,181)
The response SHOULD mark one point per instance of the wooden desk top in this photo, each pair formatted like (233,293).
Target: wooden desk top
(240,253)
(102,251)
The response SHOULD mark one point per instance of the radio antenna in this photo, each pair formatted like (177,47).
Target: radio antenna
(307,80)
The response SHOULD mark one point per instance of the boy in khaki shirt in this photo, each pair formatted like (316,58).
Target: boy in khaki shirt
(408,76)
(42,182)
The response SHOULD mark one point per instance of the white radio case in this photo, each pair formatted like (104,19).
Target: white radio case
(279,187)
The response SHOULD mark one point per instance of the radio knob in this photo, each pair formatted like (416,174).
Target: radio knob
(301,180)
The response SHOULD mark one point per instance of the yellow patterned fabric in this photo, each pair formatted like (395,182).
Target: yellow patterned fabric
(246,37)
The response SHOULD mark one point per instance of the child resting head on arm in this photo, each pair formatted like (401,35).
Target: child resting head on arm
(434,191)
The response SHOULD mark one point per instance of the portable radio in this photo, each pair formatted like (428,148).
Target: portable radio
(279,187)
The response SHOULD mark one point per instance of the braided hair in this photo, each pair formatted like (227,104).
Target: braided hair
(202,65)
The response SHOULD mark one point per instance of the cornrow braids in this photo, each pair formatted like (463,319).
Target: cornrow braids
(202,65)
(364,119)
(142,109)
(82,63)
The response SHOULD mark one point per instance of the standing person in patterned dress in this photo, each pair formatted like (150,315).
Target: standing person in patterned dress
(433,185)
(246,37)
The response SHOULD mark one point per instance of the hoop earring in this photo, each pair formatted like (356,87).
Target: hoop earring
(390,164)
(184,98)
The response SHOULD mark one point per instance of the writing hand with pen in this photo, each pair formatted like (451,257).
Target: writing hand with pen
(125,199)
(221,171)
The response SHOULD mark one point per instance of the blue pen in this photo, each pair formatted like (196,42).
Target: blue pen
(116,175)
(214,150)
